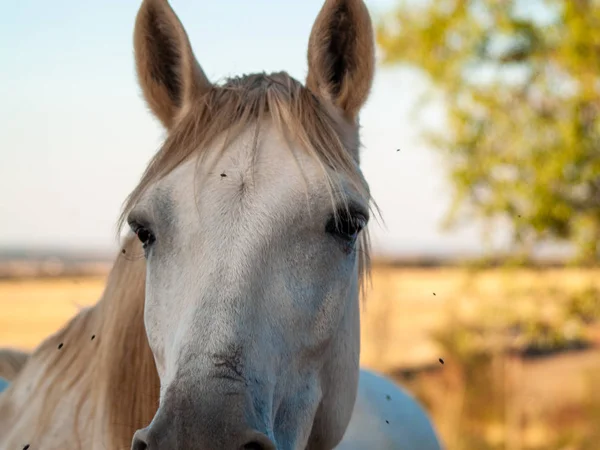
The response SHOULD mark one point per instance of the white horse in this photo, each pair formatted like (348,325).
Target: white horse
(233,321)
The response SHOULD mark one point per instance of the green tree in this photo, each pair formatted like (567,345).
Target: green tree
(520,83)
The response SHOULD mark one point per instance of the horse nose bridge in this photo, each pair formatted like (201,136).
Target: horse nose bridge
(217,360)
(229,361)
(228,341)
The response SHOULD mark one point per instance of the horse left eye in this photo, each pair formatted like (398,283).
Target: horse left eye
(346,227)
(145,236)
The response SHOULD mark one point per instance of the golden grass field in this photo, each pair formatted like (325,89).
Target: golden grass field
(481,397)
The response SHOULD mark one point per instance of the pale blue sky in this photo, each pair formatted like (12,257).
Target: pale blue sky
(75,134)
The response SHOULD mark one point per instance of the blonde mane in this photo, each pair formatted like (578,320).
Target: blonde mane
(126,385)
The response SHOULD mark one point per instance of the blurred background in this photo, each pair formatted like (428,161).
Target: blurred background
(481,148)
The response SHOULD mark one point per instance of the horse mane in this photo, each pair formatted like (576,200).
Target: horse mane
(126,384)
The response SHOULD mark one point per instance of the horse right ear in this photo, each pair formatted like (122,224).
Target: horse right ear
(341,55)
(167,70)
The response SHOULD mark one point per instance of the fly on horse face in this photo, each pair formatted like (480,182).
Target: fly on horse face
(230,319)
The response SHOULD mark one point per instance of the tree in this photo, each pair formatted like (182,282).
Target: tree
(520,82)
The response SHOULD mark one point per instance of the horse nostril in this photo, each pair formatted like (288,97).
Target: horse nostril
(259,442)
(253,446)
(141,441)
(139,445)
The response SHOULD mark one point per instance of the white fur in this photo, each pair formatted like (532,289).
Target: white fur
(386,417)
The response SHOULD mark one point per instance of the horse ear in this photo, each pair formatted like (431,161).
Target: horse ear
(167,70)
(341,55)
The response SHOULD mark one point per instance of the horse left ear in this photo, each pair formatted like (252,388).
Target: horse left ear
(168,72)
(341,55)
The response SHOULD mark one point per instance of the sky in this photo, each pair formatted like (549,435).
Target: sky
(75,134)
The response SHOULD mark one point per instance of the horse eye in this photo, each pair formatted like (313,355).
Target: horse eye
(346,227)
(145,236)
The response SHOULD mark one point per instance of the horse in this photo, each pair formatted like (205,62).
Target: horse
(230,318)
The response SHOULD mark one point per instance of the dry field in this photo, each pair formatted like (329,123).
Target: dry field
(483,396)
